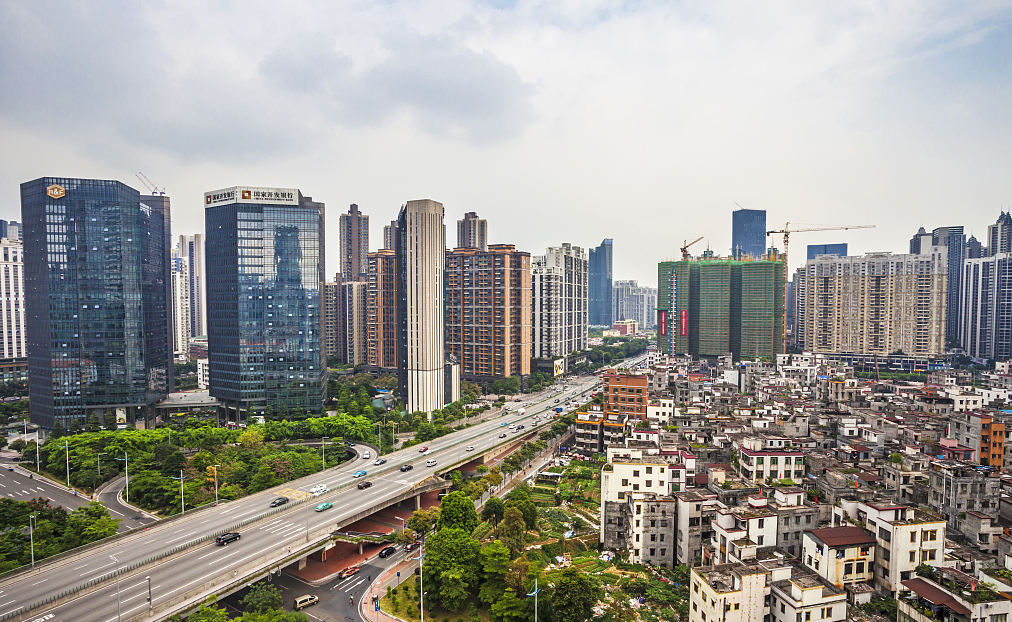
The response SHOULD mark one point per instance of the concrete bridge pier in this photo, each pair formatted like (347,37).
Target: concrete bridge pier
(418,502)
(359,547)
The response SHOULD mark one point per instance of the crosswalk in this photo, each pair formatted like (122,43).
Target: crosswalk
(24,492)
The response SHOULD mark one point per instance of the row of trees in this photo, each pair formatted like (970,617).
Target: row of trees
(458,568)
(600,356)
(53,529)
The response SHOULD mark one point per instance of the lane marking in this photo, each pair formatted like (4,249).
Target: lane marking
(185,535)
(352,587)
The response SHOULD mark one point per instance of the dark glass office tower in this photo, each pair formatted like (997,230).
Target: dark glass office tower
(748,232)
(96,291)
(599,308)
(264,264)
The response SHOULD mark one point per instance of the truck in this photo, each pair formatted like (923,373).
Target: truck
(521,411)
(558,409)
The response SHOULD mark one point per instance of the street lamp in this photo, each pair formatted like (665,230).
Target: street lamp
(66,445)
(308,501)
(150,602)
(100,464)
(421,581)
(216,484)
(31,536)
(535,595)
(182,495)
(119,614)
(324,439)
(126,459)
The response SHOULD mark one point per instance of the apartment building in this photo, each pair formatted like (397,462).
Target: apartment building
(840,555)
(488,311)
(738,532)
(694,510)
(967,497)
(952,595)
(621,477)
(626,393)
(807,597)
(877,303)
(905,537)
(982,433)
(650,528)
(794,517)
(759,465)
(383,312)
(355,299)
(559,302)
(332,305)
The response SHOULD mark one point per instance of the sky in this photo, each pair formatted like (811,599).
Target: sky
(557,121)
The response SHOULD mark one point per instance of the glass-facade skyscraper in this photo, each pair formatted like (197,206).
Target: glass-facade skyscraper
(599,281)
(265,272)
(814,250)
(748,232)
(97,274)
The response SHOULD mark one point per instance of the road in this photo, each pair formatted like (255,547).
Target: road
(130,517)
(202,562)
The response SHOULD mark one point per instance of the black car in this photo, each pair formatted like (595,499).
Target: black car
(387,552)
(406,467)
(503,435)
(225,538)
(364,485)
(279,501)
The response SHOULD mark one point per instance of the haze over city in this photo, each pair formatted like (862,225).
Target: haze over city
(556,122)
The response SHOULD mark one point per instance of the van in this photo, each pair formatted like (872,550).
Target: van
(430,462)
(304,601)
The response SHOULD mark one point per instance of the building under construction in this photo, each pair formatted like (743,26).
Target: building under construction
(713,306)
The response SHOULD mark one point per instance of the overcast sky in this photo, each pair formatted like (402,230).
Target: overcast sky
(557,121)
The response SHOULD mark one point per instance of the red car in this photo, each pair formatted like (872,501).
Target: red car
(412,546)
(423,449)
(347,572)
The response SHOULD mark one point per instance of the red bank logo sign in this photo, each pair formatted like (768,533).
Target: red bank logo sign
(684,321)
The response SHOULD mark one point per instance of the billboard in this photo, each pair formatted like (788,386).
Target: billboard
(662,322)
(249,194)
(560,367)
(684,323)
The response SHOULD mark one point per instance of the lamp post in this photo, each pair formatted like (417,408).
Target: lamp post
(66,446)
(31,536)
(182,495)
(100,464)
(308,501)
(535,595)
(126,459)
(324,439)
(119,614)
(150,602)
(216,484)
(421,581)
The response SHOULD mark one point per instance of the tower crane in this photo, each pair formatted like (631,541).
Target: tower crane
(787,231)
(685,248)
(150,185)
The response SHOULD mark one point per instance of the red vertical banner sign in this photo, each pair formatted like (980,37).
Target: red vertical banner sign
(684,322)
(662,322)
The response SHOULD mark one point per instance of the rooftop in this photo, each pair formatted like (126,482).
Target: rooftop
(843,536)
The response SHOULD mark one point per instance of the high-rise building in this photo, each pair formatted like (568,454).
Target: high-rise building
(11,230)
(356,328)
(714,307)
(921,239)
(180,306)
(192,248)
(472,232)
(999,235)
(974,250)
(985,329)
(420,256)
(488,311)
(97,283)
(265,260)
(796,300)
(954,240)
(878,303)
(814,250)
(383,354)
(600,284)
(333,318)
(354,238)
(633,302)
(559,302)
(748,232)
(13,337)
(390,235)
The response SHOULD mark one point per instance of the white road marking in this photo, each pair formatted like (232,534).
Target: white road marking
(99,568)
(5,604)
(351,587)
(179,538)
(276,520)
(42,581)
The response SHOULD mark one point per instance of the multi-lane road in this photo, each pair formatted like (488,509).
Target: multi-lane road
(202,562)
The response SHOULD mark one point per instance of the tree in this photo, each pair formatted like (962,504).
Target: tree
(513,530)
(896,458)
(453,588)
(495,560)
(493,510)
(527,509)
(454,553)
(421,521)
(457,511)
(252,439)
(94,424)
(110,421)
(57,431)
(574,596)
(262,597)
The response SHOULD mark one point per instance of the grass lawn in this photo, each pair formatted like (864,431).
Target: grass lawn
(407,607)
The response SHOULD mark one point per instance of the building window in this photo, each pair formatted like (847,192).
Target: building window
(913,556)
(664,551)
(650,470)
(761,523)
(848,568)
(827,612)
(625,482)
(808,616)
(913,536)
(736,606)
(760,540)
(636,473)
(860,568)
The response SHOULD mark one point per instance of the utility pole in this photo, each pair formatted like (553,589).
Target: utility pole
(216,484)
(182,494)
(126,459)
(535,595)
(150,602)
(31,536)
(324,439)
(66,445)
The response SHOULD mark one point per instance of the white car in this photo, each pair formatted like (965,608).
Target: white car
(469,448)
(320,491)
(366,455)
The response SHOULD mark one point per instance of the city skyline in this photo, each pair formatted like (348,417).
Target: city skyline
(891,117)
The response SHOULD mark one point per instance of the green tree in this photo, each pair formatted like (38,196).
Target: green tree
(509,608)
(57,431)
(574,596)
(495,559)
(453,551)
(513,530)
(493,510)
(94,424)
(456,510)
(527,509)
(110,421)
(453,588)
(896,458)
(421,521)
(262,597)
